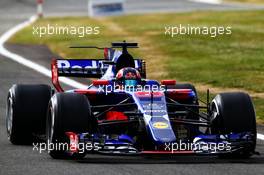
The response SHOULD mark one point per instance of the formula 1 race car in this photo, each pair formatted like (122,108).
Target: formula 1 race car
(124,113)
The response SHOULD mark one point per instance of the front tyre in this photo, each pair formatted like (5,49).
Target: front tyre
(234,113)
(68,112)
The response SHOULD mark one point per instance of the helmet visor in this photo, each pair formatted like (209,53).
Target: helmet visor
(130,82)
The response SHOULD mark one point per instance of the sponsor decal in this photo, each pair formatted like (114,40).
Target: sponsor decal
(160,125)
(87,66)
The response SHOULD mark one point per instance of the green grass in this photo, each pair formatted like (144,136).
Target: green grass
(60,43)
(246,1)
(259,106)
(234,61)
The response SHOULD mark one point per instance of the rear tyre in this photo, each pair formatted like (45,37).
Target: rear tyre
(68,112)
(234,113)
(26,112)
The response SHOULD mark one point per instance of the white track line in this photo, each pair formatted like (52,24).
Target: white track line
(41,69)
(208,1)
(260,136)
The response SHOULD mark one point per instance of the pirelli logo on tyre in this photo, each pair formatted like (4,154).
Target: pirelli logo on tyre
(160,125)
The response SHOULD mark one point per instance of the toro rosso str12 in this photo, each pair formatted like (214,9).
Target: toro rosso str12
(125,113)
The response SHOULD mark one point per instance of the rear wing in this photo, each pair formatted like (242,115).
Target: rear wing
(86,68)
(91,68)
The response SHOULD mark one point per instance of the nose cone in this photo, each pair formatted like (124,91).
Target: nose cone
(161,130)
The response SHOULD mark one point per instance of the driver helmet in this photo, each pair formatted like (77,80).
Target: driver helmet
(128,76)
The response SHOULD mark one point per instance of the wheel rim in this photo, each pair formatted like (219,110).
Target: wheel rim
(50,125)
(214,111)
(9,114)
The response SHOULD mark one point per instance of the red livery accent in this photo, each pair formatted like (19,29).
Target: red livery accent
(54,76)
(130,75)
(142,93)
(119,74)
(106,53)
(146,94)
(100,82)
(168,82)
(74,141)
(115,115)
(179,91)
(180,94)
(85,91)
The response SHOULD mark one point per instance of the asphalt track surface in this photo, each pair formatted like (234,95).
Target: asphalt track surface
(22,160)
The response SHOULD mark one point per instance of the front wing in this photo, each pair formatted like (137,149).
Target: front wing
(124,145)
